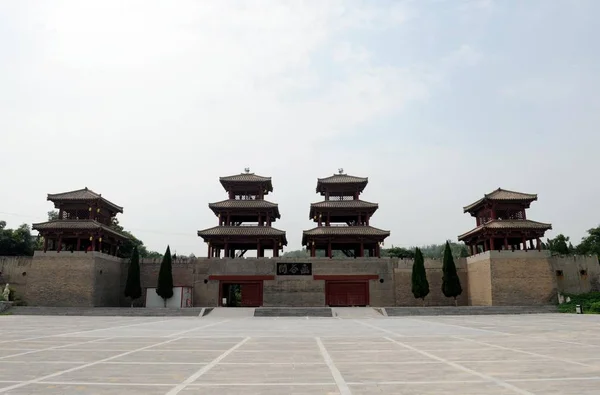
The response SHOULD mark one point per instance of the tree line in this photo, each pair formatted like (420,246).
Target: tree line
(561,244)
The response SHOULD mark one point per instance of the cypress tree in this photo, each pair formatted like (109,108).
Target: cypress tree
(133,287)
(164,288)
(420,285)
(450,281)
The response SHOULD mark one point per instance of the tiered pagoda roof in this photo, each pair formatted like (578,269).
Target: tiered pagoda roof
(245,204)
(502,222)
(83,223)
(343,206)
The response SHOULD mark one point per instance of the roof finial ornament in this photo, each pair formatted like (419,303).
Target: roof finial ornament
(247,170)
(341,170)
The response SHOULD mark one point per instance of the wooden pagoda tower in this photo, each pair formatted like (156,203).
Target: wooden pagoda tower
(245,219)
(343,220)
(83,224)
(502,223)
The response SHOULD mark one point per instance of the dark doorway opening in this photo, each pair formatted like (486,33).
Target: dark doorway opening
(241,294)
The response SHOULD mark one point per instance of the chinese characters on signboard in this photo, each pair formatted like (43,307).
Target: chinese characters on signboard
(294,269)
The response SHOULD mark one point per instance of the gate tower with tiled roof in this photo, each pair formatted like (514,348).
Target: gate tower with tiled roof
(343,220)
(84,223)
(245,219)
(502,223)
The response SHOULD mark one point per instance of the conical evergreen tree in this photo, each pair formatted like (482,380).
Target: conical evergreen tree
(133,287)
(164,288)
(450,281)
(420,285)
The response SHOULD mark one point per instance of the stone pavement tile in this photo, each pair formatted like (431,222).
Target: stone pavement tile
(170,356)
(86,389)
(531,369)
(62,355)
(32,371)
(446,345)
(568,351)
(402,372)
(560,387)
(292,346)
(273,356)
(10,351)
(378,356)
(122,347)
(263,390)
(129,373)
(431,389)
(240,374)
(491,354)
(360,345)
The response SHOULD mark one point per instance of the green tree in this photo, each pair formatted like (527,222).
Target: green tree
(164,288)
(450,281)
(15,242)
(398,252)
(133,287)
(560,245)
(52,215)
(590,245)
(420,285)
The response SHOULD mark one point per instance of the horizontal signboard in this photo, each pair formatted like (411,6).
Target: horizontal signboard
(294,269)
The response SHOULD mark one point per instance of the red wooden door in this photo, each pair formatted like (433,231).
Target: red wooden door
(251,294)
(347,293)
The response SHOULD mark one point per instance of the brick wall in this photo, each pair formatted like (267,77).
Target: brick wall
(433,268)
(61,279)
(15,270)
(573,281)
(522,278)
(107,280)
(480,280)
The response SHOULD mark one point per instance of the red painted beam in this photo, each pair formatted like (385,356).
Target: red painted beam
(344,277)
(239,278)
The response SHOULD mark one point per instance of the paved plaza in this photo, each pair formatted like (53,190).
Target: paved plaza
(496,355)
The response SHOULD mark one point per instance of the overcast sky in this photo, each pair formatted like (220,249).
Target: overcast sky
(437,102)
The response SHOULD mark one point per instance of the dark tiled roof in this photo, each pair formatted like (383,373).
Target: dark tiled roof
(249,204)
(346,230)
(344,204)
(250,179)
(342,179)
(508,225)
(241,231)
(76,225)
(84,194)
(502,195)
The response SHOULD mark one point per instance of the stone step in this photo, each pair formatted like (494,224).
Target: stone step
(293,312)
(107,311)
(469,310)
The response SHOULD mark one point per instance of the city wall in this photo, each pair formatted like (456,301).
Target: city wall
(490,278)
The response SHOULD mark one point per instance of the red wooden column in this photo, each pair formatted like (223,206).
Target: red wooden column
(485,245)
(312,249)
(275,248)
(59,246)
(471,249)
(45,243)
(524,243)
(362,249)
(329,248)
(209,250)
(377,250)
(328,223)
(491,243)
(539,244)
(226,248)
(78,243)
(505,242)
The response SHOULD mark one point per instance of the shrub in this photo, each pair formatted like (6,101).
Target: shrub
(595,307)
